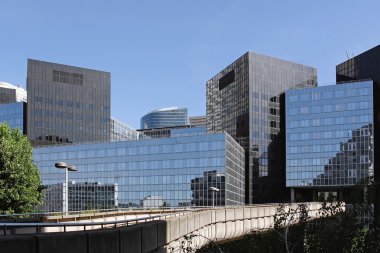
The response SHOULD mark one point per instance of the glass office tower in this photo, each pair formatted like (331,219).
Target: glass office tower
(67,104)
(165,117)
(152,170)
(365,66)
(330,137)
(244,100)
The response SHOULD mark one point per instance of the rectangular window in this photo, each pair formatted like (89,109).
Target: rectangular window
(227,79)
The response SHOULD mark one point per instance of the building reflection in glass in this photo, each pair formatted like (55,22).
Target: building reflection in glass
(149,171)
(329,135)
(202,191)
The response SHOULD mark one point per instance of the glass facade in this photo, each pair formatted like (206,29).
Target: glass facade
(244,100)
(122,132)
(162,170)
(13,115)
(329,135)
(67,104)
(82,196)
(165,117)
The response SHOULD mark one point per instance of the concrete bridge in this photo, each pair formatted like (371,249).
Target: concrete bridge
(154,233)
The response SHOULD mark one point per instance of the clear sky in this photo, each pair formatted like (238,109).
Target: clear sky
(161,52)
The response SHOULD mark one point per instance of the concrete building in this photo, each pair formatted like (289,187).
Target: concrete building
(330,139)
(244,99)
(67,104)
(165,117)
(162,167)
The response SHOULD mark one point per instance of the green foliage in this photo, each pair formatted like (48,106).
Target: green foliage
(20,187)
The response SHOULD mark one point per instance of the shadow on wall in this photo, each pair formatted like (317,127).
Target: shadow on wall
(140,238)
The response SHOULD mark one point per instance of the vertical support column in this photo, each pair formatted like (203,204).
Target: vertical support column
(66,209)
(292,195)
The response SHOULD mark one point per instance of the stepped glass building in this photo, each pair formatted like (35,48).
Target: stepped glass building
(67,104)
(245,100)
(330,139)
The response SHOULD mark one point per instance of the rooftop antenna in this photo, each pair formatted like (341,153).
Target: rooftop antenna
(347,55)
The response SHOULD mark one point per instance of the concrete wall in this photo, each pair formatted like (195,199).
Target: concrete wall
(222,224)
(194,229)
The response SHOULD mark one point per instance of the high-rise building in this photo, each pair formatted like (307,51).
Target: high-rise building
(165,117)
(244,99)
(363,66)
(330,139)
(67,104)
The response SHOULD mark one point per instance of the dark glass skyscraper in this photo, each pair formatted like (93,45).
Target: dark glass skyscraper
(245,99)
(365,66)
(67,104)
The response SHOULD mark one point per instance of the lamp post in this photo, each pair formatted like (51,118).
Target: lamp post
(67,168)
(213,189)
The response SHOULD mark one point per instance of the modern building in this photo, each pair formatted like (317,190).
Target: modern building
(198,121)
(14,114)
(363,66)
(244,100)
(82,196)
(202,189)
(11,94)
(330,139)
(67,104)
(171,131)
(161,167)
(122,132)
(165,117)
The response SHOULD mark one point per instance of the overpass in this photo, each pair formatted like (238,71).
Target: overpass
(166,231)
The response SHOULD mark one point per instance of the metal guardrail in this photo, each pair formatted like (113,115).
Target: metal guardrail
(37,226)
(97,212)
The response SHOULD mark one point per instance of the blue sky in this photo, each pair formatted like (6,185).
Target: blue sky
(161,53)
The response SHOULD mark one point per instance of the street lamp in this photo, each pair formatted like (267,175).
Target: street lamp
(213,189)
(67,168)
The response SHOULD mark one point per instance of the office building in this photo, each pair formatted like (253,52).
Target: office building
(330,140)
(11,94)
(363,66)
(160,167)
(165,117)
(67,104)
(171,131)
(244,99)
(82,196)
(198,121)
(14,114)
(201,186)
(122,132)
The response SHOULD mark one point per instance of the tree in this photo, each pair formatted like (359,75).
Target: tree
(20,186)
